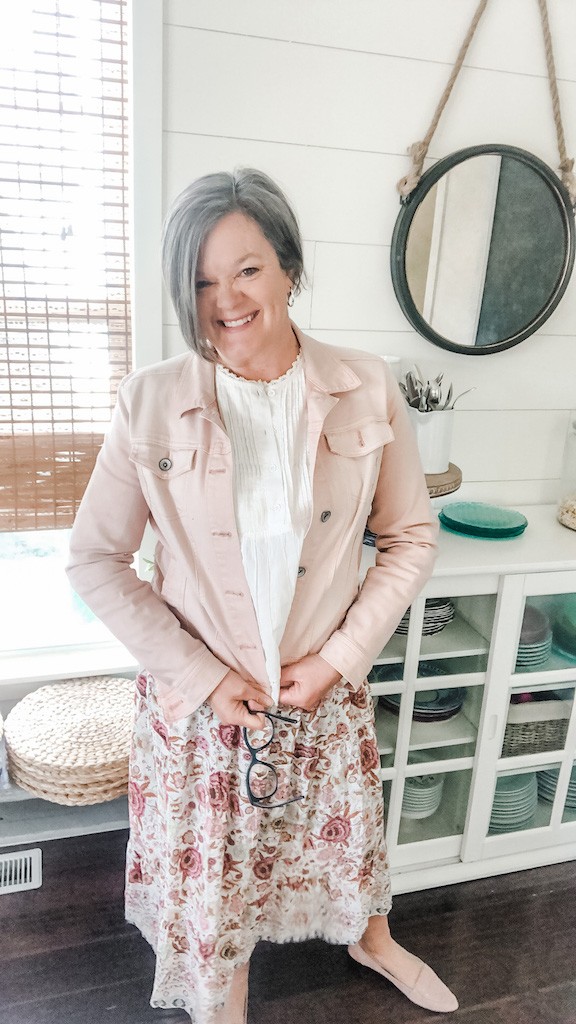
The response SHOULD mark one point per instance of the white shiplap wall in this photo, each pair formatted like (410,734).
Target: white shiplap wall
(326,95)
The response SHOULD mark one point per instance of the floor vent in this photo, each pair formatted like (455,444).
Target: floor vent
(20,871)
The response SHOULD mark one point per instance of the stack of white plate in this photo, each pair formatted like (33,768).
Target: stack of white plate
(422,796)
(535,639)
(530,655)
(547,782)
(515,802)
(438,612)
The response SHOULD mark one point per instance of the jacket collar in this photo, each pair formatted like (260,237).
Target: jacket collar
(325,371)
(324,368)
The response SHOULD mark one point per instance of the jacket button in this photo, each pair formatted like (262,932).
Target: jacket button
(301,570)
(165,464)
(325,516)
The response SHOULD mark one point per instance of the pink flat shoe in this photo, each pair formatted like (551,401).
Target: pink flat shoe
(428,991)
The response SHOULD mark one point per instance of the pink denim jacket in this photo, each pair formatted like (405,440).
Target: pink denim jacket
(167,460)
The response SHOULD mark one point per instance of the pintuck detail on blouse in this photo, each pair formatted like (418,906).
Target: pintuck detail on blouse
(267,426)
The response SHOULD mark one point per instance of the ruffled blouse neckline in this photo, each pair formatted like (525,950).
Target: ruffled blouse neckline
(225,372)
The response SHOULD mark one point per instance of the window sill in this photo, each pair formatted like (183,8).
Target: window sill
(20,671)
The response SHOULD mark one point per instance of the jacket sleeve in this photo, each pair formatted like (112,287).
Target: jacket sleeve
(406,531)
(107,532)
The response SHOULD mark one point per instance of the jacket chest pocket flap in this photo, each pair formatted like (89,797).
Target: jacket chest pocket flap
(357,439)
(165,477)
(164,462)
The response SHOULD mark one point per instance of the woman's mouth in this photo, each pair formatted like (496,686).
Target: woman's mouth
(241,322)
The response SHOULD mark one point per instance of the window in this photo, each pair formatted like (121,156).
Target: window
(64,289)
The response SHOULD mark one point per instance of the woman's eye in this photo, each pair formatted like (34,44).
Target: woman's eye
(201,284)
(249,271)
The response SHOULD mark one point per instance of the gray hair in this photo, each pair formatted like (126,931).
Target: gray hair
(193,215)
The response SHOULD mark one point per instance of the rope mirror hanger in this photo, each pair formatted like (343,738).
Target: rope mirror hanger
(419,150)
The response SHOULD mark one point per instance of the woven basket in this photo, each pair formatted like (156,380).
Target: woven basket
(536,727)
(70,742)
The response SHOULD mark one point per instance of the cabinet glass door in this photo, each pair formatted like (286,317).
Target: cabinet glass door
(434,805)
(569,814)
(444,723)
(538,719)
(387,720)
(430,681)
(523,799)
(456,633)
(547,640)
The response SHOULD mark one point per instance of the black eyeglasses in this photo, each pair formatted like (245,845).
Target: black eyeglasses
(271,780)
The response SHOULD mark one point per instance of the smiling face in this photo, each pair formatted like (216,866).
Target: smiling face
(241,296)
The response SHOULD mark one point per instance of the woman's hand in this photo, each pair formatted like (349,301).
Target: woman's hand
(230,698)
(306,682)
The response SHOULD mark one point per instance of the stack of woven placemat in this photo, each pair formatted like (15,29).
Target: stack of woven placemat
(70,742)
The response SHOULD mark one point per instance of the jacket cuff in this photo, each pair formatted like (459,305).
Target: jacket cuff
(186,696)
(346,658)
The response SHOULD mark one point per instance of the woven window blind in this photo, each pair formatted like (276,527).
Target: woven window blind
(64,299)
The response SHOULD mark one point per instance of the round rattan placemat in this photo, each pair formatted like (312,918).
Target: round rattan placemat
(72,796)
(71,777)
(78,724)
(70,742)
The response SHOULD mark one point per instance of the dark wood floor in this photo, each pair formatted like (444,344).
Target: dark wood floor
(507,946)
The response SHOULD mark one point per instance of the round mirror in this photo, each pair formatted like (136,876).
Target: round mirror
(483,249)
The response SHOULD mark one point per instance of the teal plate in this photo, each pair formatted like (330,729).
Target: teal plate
(477,519)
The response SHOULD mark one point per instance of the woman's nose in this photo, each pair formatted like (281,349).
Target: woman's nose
(228,291)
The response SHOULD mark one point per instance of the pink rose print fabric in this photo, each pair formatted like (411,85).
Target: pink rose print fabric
(208,875)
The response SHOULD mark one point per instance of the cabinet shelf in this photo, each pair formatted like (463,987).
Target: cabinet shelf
(386,734)
(458,639)
(395,651)
(13,793)
(28,820)
(454,731)
(438,826)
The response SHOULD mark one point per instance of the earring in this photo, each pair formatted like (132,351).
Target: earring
(291,297)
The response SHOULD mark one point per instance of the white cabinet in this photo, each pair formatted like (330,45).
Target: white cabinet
(469,790)
(476,722)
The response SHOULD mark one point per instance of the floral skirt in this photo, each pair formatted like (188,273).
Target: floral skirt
(209,874)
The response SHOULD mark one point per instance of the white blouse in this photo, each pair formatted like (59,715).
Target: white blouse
(266,423)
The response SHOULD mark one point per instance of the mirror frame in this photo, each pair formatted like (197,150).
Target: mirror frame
(410,205)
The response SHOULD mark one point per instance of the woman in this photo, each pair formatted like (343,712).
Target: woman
(257,458)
